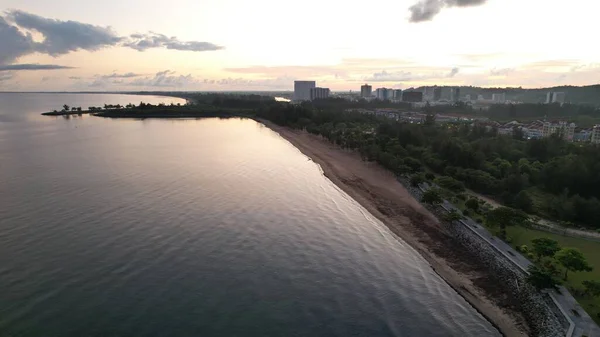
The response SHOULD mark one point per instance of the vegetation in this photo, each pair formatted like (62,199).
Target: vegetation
(503,216)
(544,247)
(576,280)
(572,260)
(542,279)
(432,197)
(452,216)
(547,177)
(592,288)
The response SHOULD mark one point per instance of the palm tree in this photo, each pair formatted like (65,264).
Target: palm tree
(66,107)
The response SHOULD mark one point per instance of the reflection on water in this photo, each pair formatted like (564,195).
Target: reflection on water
(195,228)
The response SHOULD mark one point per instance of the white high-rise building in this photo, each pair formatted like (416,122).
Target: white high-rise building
(499,98)
(319,93)
(398,94)
(366,91)
(596,134)
(454,94)
(559,97)
(384,94)
(302,90)
(555,97)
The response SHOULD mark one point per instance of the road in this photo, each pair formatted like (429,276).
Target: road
(581,323)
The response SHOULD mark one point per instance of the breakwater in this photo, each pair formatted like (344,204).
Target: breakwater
(542,314)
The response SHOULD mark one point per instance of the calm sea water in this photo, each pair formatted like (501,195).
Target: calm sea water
(194,228)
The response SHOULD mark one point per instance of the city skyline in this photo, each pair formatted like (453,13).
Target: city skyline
(232,45)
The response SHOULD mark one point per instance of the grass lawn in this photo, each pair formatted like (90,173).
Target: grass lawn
(591,250)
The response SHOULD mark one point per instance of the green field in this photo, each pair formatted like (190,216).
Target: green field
(591,250)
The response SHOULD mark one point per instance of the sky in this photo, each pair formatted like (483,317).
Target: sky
(110,45)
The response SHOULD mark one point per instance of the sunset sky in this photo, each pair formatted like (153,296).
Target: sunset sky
(266,44)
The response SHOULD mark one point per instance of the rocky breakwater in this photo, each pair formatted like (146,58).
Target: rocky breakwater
(542,315)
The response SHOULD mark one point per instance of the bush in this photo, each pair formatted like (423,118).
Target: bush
(450,183)
(417,179)
(429,176)
(461,197)
(473,204)
(465,212)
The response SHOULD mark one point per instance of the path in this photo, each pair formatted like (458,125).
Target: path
(547,225)
(581,323)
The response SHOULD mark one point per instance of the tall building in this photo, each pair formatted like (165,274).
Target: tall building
(366,91)
(384,94)
(302,90)
(559,97)
(454,94)
(499,98)
(596,134)
(428,93)
(467,97)
(319,93)
(555,97)
(437,93)
(398,95)
(412,96)
(565,130)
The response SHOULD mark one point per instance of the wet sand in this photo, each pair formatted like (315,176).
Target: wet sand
(377,190)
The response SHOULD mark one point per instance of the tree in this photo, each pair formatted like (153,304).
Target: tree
(79,109)
(524,202)
(573,260)
(472,204)
(432,197)
(505,216)
(450,183)
(416,180)
(592,288)
(541,279)
(452,216)
(544,247)
(430,119)
(66,107)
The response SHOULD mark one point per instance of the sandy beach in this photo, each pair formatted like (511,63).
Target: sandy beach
(382,195)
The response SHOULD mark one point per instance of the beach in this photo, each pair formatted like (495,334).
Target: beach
(378,191)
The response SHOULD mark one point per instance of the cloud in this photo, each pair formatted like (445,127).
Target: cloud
(404,76)
(142,42)
(453,72)
(125,75)
(6,76)
(426,10)
(32,66)
(74,77)
(398,76)
(501,72)
(14,43)
(166,78)
(62,37)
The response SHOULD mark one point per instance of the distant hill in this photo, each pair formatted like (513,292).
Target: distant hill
(577,95)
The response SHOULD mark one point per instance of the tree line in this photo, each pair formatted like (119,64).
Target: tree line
(548,177)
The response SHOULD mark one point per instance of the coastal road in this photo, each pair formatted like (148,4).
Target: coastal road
(581,323)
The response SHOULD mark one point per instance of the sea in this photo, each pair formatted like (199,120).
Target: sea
(195,227)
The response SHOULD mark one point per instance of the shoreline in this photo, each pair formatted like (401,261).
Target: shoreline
(379,192)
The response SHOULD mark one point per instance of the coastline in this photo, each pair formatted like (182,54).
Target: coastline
(378,191)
